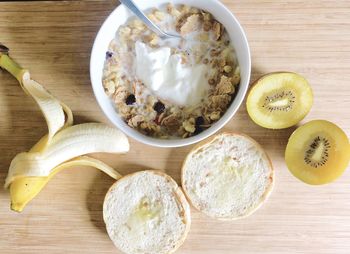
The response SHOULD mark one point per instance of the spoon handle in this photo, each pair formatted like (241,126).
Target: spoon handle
(132,7)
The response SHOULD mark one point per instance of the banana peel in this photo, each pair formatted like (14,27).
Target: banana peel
(61,148)
(24,189)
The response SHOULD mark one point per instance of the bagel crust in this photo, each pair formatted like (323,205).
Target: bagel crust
(227,177)
(146,212)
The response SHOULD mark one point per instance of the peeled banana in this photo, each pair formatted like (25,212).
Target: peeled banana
(61,148)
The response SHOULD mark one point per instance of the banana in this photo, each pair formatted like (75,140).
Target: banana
(61,148)
(24,189)
(66,145)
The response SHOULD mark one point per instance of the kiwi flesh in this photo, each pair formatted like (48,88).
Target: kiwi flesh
(318,152)
(279,100)
(283,101)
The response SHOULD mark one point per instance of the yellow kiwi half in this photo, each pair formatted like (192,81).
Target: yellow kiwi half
(318,152)
(279,100)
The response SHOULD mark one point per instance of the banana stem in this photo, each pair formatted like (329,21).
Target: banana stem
(12,67)
(4,49)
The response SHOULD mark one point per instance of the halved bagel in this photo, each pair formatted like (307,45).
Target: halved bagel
(146,212)
(227,177)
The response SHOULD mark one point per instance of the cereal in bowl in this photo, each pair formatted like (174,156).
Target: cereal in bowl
(175,87)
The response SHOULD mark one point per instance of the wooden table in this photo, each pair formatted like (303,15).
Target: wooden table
(54,40)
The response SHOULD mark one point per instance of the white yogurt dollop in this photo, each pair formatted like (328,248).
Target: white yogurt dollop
(168,78)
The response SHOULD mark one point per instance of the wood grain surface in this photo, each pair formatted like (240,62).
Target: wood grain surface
(54,39)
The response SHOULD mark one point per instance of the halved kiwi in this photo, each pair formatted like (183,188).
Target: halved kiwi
(318,152)
(279,100)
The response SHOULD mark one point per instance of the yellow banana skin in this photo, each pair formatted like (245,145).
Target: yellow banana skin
(24,189)
(8,64)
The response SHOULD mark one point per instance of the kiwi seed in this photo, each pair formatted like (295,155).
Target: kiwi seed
(313,146)
(279,96)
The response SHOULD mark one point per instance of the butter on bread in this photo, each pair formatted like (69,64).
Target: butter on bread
(227,177)
(146,212)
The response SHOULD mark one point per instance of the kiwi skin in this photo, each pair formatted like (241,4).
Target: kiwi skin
(256,82)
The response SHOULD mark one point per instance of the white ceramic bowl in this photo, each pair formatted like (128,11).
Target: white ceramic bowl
(119,17)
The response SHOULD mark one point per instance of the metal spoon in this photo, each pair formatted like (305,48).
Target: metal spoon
(149,23)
